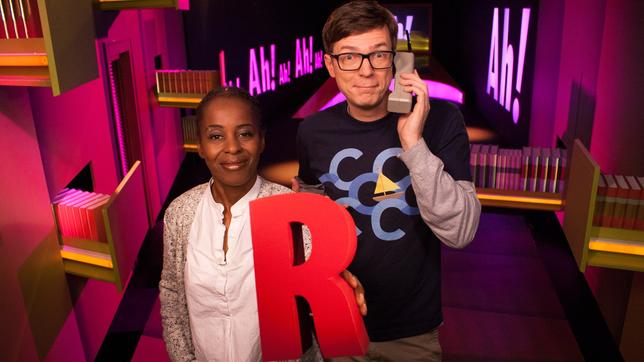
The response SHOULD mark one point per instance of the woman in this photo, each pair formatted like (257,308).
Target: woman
(207,288)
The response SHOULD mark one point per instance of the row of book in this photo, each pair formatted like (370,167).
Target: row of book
(532,169)
(197,82)
(190,132)
(620,202)
(19,19)
(79,214)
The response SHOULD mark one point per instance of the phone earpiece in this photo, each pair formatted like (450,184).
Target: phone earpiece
(400,101)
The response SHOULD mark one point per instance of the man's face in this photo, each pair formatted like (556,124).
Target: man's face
(365,88)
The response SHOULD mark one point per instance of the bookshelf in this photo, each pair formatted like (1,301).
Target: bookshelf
(126,223)
(515,199)
(596,245)
(142,4)
(601,246)
(531,178)
(184,88)
(42,58)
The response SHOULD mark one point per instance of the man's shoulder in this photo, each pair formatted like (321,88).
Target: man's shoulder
(446,110)
(323,118)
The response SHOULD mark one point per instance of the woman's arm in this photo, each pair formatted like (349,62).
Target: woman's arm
(174,310)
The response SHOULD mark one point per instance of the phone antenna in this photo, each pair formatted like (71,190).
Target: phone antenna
(408,41)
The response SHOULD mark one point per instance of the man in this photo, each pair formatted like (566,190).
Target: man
(404,178)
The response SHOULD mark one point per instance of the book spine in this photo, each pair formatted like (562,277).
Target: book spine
(609,202)
(630,213)
(33,18)
(4,29)
(491,169)
(473,156)
(483,166)
(562,173)
(599,202)
(620,202)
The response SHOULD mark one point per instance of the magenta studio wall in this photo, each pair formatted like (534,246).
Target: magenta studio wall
(47,142)
(489,48)
(273,49)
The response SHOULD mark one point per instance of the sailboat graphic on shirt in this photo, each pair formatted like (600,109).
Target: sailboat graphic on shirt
(385,189)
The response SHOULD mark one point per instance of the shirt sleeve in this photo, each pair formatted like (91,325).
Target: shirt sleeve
(450,208)
(174,313)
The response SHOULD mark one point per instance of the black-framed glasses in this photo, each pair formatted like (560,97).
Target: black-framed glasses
(380,59)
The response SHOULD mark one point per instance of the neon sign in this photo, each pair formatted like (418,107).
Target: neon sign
(265,74)
(501,88)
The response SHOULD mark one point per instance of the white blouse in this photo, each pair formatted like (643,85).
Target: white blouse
(220,288)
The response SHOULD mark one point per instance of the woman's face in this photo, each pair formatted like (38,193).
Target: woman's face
(231,142)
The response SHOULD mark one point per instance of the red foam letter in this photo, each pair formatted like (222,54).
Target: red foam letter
(339,327)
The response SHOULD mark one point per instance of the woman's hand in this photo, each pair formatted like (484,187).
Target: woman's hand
(358,290)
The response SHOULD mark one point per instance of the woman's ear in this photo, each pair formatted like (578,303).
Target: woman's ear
(262,141)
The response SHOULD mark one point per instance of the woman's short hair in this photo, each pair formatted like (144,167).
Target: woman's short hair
(357,17)
(231,92)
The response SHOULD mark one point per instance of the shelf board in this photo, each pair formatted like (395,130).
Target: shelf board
(142,4)
(24,62)
(179,100)
(520,199)
(47,61)
(189,147)
(622,261)
(616,248)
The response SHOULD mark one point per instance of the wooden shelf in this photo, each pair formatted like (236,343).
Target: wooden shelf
(190,147)
(183,88)
(126,223)
(179,100)
(142,4)
(520,199)
(49,61)
(593,245)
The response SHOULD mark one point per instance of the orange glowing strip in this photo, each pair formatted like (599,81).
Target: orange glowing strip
(522,199)
(194,100)
(613,246)
(23,60)
(86,256)
(190,147)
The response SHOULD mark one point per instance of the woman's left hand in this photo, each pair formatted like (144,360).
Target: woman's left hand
(358,290)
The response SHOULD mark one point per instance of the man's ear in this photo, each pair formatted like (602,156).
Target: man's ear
(328,62)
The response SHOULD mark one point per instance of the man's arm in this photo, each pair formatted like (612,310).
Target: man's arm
(450,208)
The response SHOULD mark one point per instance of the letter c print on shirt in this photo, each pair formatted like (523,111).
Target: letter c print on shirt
(387,193)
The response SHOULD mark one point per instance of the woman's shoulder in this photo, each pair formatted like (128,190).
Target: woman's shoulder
(269,188)
(187,200)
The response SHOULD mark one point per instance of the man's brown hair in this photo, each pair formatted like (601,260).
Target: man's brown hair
(357,17)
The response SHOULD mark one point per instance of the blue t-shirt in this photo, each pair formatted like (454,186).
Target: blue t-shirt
(397,257)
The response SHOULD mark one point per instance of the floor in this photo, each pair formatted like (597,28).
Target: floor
(514,294)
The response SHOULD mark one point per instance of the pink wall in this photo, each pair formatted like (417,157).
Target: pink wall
(619,116)
(45,142)
(598,99)
(546,70)
(31,270)
(73,129)
(581,44)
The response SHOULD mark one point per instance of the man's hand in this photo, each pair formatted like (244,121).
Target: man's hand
(295,184)
(410,125)
(358,290)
